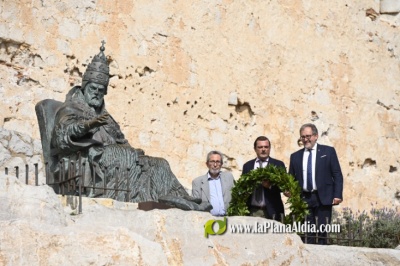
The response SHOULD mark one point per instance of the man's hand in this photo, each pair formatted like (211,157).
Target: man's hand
(266,184)
(336,201)
(98,121)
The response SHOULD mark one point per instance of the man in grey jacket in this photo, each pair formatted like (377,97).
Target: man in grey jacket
(215,186)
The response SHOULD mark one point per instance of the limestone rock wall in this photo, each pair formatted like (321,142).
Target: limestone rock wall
(192,76)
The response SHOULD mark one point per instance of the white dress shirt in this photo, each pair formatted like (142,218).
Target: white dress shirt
(216,197)
(313,159)
(257,163)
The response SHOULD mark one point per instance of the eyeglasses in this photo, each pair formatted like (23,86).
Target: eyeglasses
(215,162)
(306,136)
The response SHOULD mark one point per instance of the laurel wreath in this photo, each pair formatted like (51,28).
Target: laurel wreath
(277,176)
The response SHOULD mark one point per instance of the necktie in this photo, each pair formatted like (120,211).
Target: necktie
(309,172)
(258,196)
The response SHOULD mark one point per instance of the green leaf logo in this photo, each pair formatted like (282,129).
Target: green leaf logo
(209,230)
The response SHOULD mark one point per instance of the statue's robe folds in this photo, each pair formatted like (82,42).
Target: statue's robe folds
(109,159)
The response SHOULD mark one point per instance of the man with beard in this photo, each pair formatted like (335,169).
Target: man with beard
(82,124)
(316,167)
(215,186)
(266,199)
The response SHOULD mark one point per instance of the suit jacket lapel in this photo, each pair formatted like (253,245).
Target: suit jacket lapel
(251,165)
(222,185)
(317,160)
(300,160)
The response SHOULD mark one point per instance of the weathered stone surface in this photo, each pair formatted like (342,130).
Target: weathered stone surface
(338,255)
(390,6)
(18,145)
(176,63)
(37,230)
(33,204)
(4,154)
(19,149)
(233,99)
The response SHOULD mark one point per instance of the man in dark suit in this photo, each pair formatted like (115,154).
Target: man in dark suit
(266,200)
(215,186)
(316,167)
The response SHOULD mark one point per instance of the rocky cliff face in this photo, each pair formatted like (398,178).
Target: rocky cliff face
(192,76)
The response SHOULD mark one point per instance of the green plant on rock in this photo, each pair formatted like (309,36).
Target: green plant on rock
(378,229)
(384,230)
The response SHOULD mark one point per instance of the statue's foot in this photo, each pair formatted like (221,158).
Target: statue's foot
(205,207)
(189,198)
(184,204)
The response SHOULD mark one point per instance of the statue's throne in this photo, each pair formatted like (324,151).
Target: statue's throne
(46,111)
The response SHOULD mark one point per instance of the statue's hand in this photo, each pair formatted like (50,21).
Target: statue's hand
(98,121)
(122,141)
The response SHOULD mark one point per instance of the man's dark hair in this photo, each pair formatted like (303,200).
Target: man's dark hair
(261,138)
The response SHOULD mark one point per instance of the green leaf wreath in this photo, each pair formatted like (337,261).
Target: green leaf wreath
(277,176)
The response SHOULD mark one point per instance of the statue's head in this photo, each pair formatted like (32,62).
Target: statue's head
(94,94)
(97,71)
